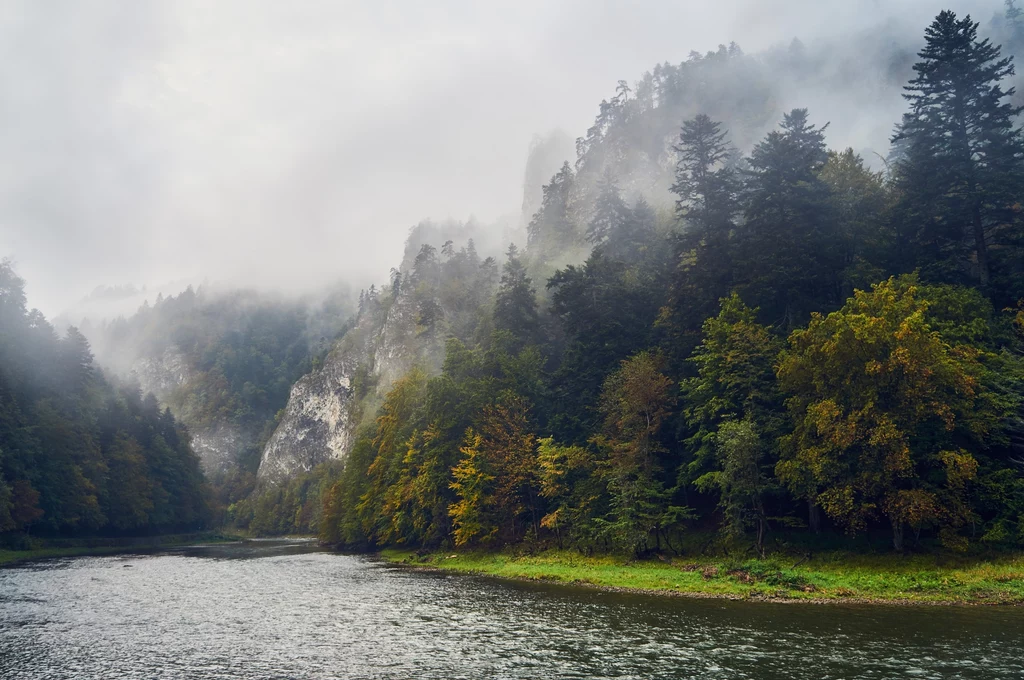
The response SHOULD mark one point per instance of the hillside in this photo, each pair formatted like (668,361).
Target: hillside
(796,340)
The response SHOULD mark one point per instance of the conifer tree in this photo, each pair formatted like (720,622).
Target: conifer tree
(706,186)
(515,309)
(960,174)
(552,229)
(788,254)
(610,211)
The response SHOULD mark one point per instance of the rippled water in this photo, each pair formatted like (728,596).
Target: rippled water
(280,610)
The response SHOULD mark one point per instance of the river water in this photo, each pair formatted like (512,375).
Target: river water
(274,609)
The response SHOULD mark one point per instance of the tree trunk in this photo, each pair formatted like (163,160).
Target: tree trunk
(980,247)
(813,516)
(897,535)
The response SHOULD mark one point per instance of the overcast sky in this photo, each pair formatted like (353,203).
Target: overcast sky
(286,143)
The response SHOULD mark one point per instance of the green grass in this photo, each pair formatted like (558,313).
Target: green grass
(827,577)
(44,549)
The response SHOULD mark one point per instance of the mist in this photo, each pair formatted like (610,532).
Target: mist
(285,147)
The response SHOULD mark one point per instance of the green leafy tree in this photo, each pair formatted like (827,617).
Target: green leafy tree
(635,401)
(881,407)
(742,480)
(735,381)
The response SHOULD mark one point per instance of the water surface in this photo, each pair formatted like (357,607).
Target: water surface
(273,609)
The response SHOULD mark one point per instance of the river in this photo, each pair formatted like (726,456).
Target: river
(276,609)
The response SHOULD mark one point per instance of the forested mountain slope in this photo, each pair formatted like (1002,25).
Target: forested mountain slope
(793,339)
(223,362)
(77,454)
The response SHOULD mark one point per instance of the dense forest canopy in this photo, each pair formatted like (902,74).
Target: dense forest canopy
(223,362)
(711,323)
(804,343)
(78,454)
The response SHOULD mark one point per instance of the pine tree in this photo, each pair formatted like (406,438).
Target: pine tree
(788,254)
(960,175)
(515,310)
(552,229)
(706,185)
(707,191)
(635,236)
(610,211)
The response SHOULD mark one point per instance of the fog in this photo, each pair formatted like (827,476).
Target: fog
(286,145)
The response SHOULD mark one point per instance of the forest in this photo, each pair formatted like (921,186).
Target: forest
(223,362)
(706,335)
(801,345)
(79,454)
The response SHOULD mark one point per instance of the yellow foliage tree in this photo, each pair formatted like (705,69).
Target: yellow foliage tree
(880,404)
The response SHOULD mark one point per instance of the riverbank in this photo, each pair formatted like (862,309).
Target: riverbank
(833,577)
(44,549)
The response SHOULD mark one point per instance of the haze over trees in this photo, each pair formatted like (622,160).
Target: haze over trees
(715,325)
(803,344)
(79,455)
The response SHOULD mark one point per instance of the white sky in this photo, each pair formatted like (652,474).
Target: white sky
(285,144)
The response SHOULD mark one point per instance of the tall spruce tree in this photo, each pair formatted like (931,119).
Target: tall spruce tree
(552,230)
(788,252)
(515,310)
(960,171)
(610,211)
(706,186)
(707,201)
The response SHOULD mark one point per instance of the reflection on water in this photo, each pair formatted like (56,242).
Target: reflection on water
(275,609)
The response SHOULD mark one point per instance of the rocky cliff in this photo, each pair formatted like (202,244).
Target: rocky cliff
(431,298)
(327,405)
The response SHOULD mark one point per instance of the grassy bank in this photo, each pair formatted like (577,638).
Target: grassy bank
(836,577)
(43,548)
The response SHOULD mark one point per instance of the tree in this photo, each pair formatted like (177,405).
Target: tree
(606,311)
(635,401)
(610,211)
(960,174)
(515,309)
(396,423)
(567,481)
(635,241)
(471,483)
(129,508)
(735,383)
(787,246)
(882,408)
(509,445)
(552,230)
(707,201)
(741,480)
(706,185)
(859,203)
(496,478)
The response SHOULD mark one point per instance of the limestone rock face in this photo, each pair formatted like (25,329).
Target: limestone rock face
(161,374)
(322,415)
(218,447)
(316,426)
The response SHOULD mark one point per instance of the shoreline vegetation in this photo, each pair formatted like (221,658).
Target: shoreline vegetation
(834,577)
(90,547)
